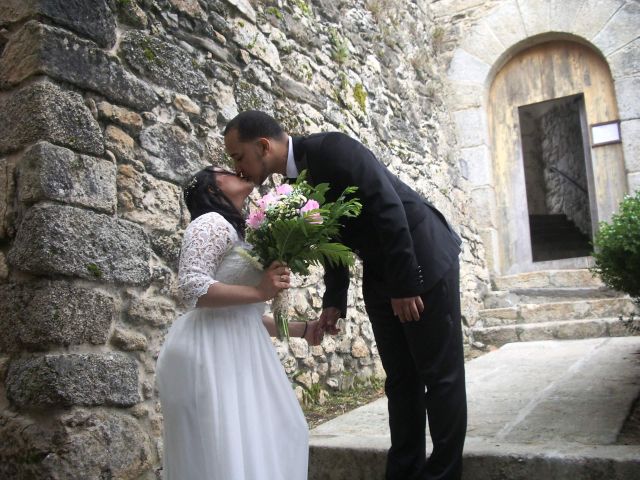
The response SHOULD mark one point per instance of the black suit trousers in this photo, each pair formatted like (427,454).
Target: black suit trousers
(424,363)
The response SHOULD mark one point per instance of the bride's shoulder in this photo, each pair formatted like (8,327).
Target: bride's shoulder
(211,217)
(213,222)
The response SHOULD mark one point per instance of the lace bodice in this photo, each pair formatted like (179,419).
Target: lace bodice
(209,254)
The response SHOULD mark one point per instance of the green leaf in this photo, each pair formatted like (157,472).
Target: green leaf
(617,248)
(293,239)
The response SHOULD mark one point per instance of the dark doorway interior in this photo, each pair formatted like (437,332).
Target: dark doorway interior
(556,178)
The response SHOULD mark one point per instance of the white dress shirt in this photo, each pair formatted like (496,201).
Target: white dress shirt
(292,170)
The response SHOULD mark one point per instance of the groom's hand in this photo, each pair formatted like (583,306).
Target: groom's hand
(328,320)
(407,309)
(314,333)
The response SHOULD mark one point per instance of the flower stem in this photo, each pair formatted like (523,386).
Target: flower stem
(279,307)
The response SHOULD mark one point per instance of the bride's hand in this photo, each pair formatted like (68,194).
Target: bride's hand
(274,279)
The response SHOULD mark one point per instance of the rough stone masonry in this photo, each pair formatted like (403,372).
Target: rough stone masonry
(107,106)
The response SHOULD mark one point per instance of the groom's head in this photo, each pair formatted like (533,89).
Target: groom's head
(258,145)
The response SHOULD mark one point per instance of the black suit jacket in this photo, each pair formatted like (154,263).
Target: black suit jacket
(403,241)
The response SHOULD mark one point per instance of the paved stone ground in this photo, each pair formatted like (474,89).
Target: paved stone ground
(551,409)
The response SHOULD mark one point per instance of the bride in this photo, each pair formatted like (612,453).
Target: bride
(229,410)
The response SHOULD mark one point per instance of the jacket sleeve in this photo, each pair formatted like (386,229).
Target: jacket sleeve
(341,157)
(336,281)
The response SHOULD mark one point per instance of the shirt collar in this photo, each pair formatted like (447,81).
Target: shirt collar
(292,170)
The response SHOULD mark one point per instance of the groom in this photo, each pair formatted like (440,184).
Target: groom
(410,285)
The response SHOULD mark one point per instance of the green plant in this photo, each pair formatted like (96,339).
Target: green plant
(339,48)
(340,91)
(421,63)
(438,37)
(147,50)
(360,95)
(617,249)
(336,403)
(275,12)
(382,9)
(253,42)
(344,81)
(311,395)
(94,270)
(304,6)
(304,72)
(368,383)
(149,55)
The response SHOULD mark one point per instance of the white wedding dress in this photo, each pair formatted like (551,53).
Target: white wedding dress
(229,410)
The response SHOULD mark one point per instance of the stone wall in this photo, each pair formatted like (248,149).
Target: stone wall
(112,104)
(533,166)
(562,151)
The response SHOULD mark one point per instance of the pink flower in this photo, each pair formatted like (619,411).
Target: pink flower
(267,200)
(255,219)
(310,205)
(315,217)
(284,189)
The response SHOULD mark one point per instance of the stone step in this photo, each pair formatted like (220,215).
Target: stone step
(512,298)
(557,330)
(546,312)
(528,407)
(559,234)
(559,251)
(554,219)
(548,278)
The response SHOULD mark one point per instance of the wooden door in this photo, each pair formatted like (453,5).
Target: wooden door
(541,73)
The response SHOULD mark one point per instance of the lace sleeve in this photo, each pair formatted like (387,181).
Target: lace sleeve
(206,241)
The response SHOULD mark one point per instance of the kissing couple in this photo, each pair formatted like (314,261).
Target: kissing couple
(229,409)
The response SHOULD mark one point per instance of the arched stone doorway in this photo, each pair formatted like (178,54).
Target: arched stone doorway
(603,32)
(540,106)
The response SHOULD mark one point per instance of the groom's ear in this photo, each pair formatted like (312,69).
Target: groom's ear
(264,144)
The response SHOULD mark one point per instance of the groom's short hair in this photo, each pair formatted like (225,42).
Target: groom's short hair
(253,124)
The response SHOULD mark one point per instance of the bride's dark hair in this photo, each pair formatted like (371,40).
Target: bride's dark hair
(202,195)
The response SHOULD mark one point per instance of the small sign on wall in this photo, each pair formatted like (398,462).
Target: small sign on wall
(605,133)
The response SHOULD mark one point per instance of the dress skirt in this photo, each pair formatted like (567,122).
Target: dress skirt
(229,410)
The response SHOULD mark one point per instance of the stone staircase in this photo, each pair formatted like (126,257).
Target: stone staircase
(552,305)
(527,400)
(555,236)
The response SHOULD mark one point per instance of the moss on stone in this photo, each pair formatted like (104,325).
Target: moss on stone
(149,55)
(360,95)
(94,270)
(275,12)
(339,48)
(246,96)
(438,37)
(304,6)
(253,42)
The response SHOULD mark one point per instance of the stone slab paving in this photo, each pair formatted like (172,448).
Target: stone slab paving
(550,409)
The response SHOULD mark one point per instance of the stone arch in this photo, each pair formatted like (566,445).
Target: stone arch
(609,29)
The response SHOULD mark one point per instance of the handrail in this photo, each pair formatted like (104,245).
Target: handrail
(576,184)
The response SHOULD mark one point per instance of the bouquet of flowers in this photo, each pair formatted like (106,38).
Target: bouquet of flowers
(296,226)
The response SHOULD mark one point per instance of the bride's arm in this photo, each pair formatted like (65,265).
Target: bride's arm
(310,331)
(206,241)
(223,295)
